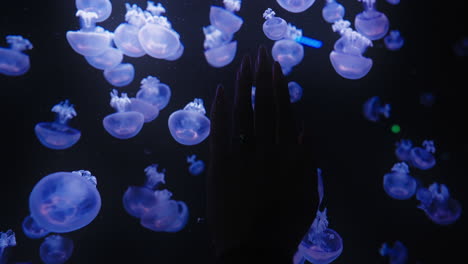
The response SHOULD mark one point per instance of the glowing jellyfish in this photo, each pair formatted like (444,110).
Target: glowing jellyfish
(32,230)
(398,184)
(90,40)
(224,19)
(422,158)
(103,8)
(107,60)
(120,75)
(65,201)
(252,98)
(398,254)
(154,92)
(196,166)
(295,92)
(56,249)
(295,6)
(57,134)
(149,111)
(371,23)
(394,40)
(438,205)
(177,54)
(7,239)
(403,149)
(126,34)
(288,53)
(373,109)
(219,49)
(274,28)
(122,124)
(190,126)
(346,58)
(13,62)
(393,2)
(332,11)
(139,200)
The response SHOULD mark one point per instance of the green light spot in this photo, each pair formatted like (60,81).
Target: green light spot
(396,129)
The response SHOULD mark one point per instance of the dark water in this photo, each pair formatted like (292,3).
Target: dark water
(353,152)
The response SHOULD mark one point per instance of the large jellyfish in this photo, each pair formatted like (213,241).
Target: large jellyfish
(13,62)
(196,166)
(295,6)
(224,19)
(219,49)
(190,126)
(403,149)
(103,8)
(371,23)
(57,134)
(295,92)
(332,11)
(65,201)
(120,75)
(394,40)
(107,60)
(122,124)
(154,92)
(149,111)
(398,184)
(398,254)
(288,53)
(7,239)
(32,230)
(423,158)
(373,109)
(126,34)
(438,205)
(56,249)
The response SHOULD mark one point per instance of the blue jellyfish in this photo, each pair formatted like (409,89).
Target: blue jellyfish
(219,49)
(65,201)
(253,97)
(90,40)
(403,149)
(107,60)
(398,254)
(56,249)
(224,19)
(149,111)
(394,40)
(332,11)
(57,134)
(398,184)
(103,8)
(196,166)
(13,62)
(288,53)
(438,205)
(120,75)
(423,158)
(7,239)
(139,200)
(126,34)
(122,124)
(190,126)
(347,58)
(32,230)
(295,6)
(427,99)
(295,92)
(274,28)
(371,23)
(393,2)
(154,92)
(177,54)
(373,109)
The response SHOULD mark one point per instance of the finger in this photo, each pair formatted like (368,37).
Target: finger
(243,113)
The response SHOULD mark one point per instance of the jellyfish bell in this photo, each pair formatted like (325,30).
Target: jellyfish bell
(107,60)
(154,92)
(166,216)
(288,53)
(421,158)
(103,8)
(13,62)
(149,111)
(120,75)
(330,247)
(56,249)
(158,41)
(295,6)
(332,11)
(224,20)
(373,109)
(371,23)
(32,230)
(398,184)
(221,56)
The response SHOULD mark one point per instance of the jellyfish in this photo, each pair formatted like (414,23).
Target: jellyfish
(149,111)
(107,60)
(32,230)
(403,149)
(394,40)
(56,249)
(103,8)
(398,254)
(65,201)
(295,6)
(224,19)
(438,205)
(346,58)
(295,92)
(423,158)
(7,239)
(120,75)
(393,2)
(126,34)
(190,126)
(13,62)
(122,124)
(371,23)
(177,54)
(219,49)
(373,109)
(90,40)
(252,98)
(398,184)
(154,92)
(274,28)
(332,11)
(196,166)
(288,53)
(57,134)
(139,200)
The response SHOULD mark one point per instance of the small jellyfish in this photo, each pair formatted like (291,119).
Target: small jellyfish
(122,124)
(57,134)
(107,60)
(167,216)
(126,34)
(224,19)
(274,28)
(427,99)
(393,2)
(196,166)
(394,40)
(295,6)
(438,205)
(139,200)
(13,62)
(398,184)
(295,92)
(103,8)
(219,49)
(288,53)
(7,239)
(149,111)
(423,158)
(403,149)
(65,201)
(56,249)
(32,230)
(253,97)
(332,11)
(120,75)
(371,23)
(154,92)
(373,109)
(398,254)
(190,126)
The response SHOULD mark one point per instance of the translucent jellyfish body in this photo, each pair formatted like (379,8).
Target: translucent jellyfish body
(90,40)
(56,249)
(122,124)
(7,239)
(403,149)
(120,75)
(371,23)
(13,62)
(398,254)
(219,49)
(57,134)
(65,201)
(196,166)
(32,230)
(438,205)
(126,34)
(149,111)
(190,126)
(224,19)
(332,11)
(394,40)
(167,216)
(373,109)
(398,184)
(107,60)
(393,2)
(274,28)
(295,6)
(288,53)
(103,8)
(154,92)
(295,92)
(423,158)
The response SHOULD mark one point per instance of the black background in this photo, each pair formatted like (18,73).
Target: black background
(353,152)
